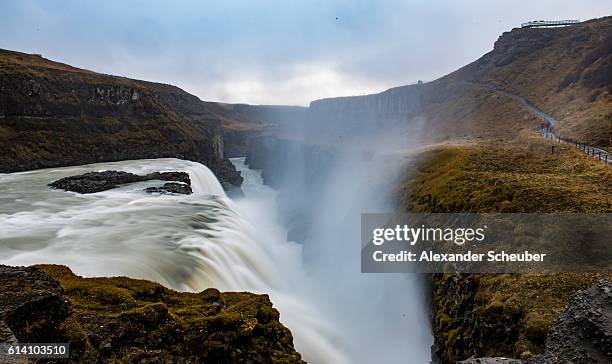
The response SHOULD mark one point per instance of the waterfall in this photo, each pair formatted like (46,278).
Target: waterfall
(187,243)
(192,242)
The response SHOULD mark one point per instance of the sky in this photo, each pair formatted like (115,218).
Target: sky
(274,51)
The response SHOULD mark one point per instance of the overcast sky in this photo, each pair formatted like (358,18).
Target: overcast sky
(274,52)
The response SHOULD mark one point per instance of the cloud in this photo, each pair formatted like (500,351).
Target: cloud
(273,51)
(304,82)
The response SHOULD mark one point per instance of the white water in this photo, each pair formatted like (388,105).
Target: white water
(183,242)
(336,314)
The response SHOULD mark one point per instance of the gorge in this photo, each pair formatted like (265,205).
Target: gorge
(289,240)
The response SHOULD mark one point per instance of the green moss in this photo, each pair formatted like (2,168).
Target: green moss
(130,314)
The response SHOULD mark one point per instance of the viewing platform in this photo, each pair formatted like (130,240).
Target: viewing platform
(549,23)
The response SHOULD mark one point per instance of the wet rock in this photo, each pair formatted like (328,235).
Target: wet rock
(95,181)
(170,176)
(101,181)
(232,191)
(583,334)
(171,187)
(491,361)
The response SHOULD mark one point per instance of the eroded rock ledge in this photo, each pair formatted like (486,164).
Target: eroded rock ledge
(127,320)
(101,181)
(583,334)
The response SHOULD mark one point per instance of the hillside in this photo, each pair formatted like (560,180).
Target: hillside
(52,114)
(563,71)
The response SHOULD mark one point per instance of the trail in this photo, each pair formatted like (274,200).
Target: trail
(591,151)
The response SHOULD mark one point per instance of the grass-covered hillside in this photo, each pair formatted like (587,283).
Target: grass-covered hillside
(508,314)
(567,72)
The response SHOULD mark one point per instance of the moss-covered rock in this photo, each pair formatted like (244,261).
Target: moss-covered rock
(127,320)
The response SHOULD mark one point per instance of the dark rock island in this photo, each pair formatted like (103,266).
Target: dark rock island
(101,181)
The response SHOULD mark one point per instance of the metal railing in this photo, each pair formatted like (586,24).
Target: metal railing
(548,23)
(595,152)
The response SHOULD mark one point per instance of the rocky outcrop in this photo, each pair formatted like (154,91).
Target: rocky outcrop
(52,115)
(32,306)
(127,320)
(583,334)
(491,361)
(500,315)
(93,182)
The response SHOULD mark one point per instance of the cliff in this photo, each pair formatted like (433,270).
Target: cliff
(127,320)
(52,114)
(505,315)
(563,71)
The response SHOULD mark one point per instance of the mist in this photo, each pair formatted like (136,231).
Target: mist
(329,169)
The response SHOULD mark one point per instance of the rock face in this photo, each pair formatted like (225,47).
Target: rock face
(52,114)
(583,334)
(32,306)
(126,320)
(295,169)
(101,181)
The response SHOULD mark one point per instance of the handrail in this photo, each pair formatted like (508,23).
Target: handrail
(595,152)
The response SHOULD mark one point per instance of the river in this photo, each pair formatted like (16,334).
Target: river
(203,240)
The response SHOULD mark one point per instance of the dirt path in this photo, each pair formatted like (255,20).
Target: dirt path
(594,152)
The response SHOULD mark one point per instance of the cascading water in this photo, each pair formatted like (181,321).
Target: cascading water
(183,242)
(336,314)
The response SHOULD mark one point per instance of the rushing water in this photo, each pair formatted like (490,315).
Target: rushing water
(183,242)
(206,240)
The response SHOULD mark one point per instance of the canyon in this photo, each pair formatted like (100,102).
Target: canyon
(454,144)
